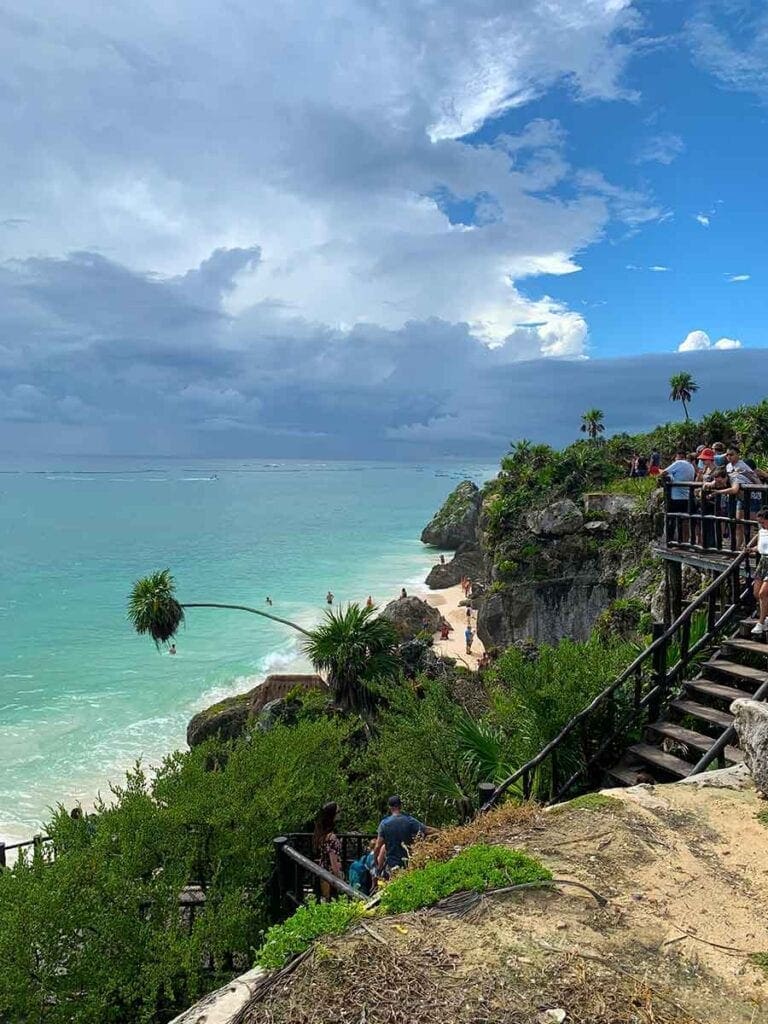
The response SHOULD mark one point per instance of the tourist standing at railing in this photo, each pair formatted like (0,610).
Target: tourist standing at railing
(326,845)
(678,472)
(760,585)
(397,833)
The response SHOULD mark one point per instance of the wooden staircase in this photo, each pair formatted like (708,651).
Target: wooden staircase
(697,724)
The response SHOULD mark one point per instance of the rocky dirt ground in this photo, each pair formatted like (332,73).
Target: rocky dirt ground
(684,870)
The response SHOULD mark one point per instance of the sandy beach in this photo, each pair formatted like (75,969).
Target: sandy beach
(447,603)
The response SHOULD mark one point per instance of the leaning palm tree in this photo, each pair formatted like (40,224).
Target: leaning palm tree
(682,388)
(154,609)
(354,648)
(592,423)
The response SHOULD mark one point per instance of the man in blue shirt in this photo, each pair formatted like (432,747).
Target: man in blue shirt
(396,835)
(682,471)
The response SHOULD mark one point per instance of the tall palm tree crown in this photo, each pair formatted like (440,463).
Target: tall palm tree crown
(153,608)
(353,647)
(592,423)
(682,388)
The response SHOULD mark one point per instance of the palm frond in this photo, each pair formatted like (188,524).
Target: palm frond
(153,608)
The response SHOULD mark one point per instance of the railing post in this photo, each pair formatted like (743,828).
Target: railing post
(553,779)
(668,532)
(280,877)
(659,671)
(711,612)
(3,862)
(484,793)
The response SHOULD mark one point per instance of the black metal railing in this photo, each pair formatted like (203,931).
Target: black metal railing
(298,875)
(37,843)
(698,518)
(586,745)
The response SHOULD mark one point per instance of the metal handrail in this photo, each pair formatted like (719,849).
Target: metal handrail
(656,648)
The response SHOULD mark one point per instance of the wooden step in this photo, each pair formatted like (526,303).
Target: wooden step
(658,759)
(737,671)
(703,712)
(623,774)
(697,740)
(748,646)
(718,690)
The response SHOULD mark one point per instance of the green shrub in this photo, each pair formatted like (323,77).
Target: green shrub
(507,567)
(620,620)
(475,869)
(760,960)
(311,921)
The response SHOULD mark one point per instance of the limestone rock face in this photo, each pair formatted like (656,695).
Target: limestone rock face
(543,611)
(751,721)
(456,522)
(411,615)
(612,506)
(230,717)
(468,561)
(556,520)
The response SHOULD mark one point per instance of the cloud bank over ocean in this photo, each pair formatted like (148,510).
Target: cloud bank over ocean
(298,229)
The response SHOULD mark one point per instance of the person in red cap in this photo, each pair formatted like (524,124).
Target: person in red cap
(706,464)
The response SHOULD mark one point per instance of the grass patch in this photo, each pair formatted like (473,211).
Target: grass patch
(762,817)
(475,869)
(760,960)
(591,802)
(311,921)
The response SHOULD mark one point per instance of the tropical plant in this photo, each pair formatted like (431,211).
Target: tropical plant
(355,648)
(311,921)
(476,869)
(153,608)
(592,423)
(682,388)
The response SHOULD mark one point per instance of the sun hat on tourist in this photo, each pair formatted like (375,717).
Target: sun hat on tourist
(707,454)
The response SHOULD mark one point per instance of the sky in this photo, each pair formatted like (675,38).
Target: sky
(375,228)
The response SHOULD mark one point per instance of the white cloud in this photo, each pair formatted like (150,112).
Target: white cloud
(326,136)
(731,41)
(703,219)
(659,269)
(699,341)
(733,278)
(663,149)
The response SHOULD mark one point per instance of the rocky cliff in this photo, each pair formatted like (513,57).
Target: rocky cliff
(554,568)
(456,521)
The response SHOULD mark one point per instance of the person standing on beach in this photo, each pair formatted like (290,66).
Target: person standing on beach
(469,636)
(369,602)
(403,593)
(329,598)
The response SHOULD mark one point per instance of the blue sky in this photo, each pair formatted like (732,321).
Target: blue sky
(375,229)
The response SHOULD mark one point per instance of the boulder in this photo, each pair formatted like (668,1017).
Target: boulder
(410,616)
(612,506)
(556,520)
(468,561)
(751,722)
(456,522)
(229,718)
(596,526)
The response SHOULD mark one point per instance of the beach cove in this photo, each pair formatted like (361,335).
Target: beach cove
(82,697)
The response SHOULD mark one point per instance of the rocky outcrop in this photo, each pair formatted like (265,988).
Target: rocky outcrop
(456,522)
(611,506)
(468,561)
(411,616)
(556,520)
(229,718)
(751,722)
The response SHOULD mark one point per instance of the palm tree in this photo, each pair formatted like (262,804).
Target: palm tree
(592,423)
(352,645)
(153,608)
(354,648)
(682,388)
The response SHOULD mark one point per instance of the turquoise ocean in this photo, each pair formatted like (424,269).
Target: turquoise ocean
(81,696)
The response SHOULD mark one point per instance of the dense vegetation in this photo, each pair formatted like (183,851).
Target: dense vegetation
(96,936)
